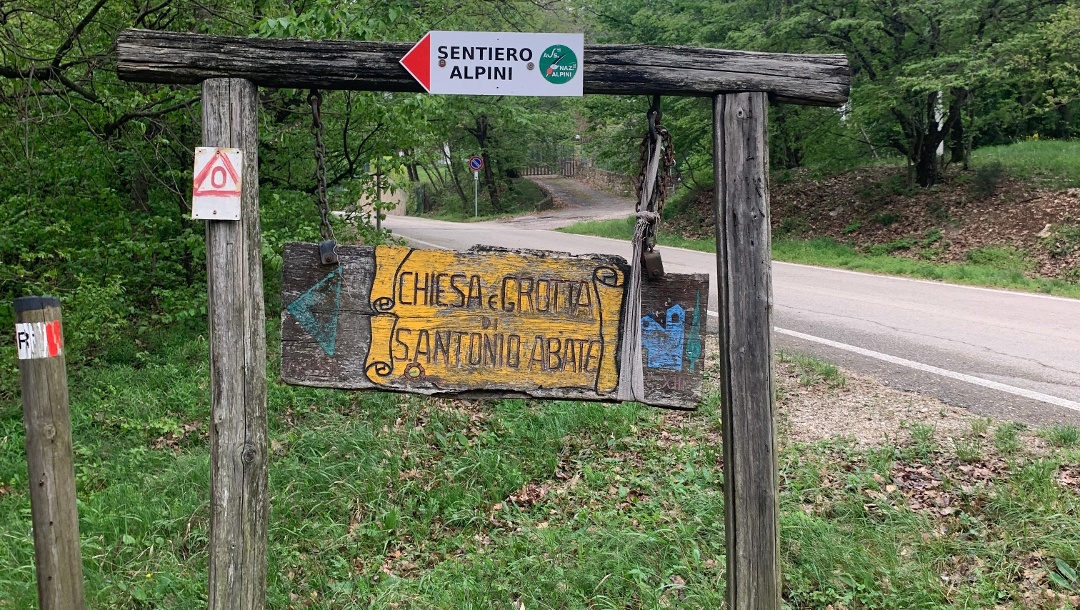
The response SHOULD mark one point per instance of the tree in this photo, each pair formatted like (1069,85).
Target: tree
(926,73)
(919,64)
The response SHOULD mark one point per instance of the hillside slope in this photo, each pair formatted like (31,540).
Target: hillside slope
(974,217)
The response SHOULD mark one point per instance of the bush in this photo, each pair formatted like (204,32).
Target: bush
(1062,240)
(1006,258)
(986,179)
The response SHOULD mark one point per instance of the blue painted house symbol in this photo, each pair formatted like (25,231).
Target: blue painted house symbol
(663,343)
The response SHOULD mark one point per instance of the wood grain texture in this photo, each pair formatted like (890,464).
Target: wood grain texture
(674,308)
(57,556)
(178,58)
(378,321)
(744,268)
(239,501)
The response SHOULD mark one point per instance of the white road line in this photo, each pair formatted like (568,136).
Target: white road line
(986,383)
(979,381)
(426,243)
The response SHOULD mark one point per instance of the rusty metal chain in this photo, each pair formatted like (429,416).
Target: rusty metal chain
(325,229)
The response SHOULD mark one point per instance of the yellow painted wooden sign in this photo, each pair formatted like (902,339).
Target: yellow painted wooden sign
(485,321)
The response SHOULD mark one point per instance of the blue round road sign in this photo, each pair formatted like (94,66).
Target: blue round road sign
(476,163)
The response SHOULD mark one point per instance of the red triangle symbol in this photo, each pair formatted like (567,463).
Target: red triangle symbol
(218,178)
(418,62)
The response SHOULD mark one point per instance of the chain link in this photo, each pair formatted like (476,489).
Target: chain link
(325,229)
(654,201)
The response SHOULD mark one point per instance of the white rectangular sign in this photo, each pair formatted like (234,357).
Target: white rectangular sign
(498,63)
(216,188)
(39,340)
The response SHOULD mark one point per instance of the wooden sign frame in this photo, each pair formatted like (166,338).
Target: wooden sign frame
(741,84)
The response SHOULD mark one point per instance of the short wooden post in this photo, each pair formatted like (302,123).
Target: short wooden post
(239,502)
(744,272)
(43,373)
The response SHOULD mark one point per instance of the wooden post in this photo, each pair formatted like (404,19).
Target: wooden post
(239,502)
(43,373)
(744,272)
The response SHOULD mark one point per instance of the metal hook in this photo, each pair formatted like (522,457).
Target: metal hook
(654,115)
(314,99)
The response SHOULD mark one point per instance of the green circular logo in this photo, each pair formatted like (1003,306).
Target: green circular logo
(558,64)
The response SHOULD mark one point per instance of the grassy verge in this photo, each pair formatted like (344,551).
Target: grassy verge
(391,501)
(1053,162)
(521,197)
(995,272)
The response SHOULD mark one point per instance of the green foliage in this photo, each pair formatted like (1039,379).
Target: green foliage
(1064,576)
(991,71)
(417,502)
(1062,435)
(903,243)
(1007,437)
(890,186)
(1006,258)
(1062,240)
(813,371)
(923,444)
(1052,162)
(886,219)
(791,226)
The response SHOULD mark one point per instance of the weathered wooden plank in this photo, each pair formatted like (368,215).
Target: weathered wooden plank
(239,500)
(673,310)
(484,322)
(179,58)
(745,271)
(53,512)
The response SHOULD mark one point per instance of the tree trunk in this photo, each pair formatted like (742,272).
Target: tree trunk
(489,178)
(927,166)
(454,177)
(957,143)
(481,135)
(412,166)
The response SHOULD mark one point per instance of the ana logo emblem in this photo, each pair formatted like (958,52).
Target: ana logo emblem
(558,64)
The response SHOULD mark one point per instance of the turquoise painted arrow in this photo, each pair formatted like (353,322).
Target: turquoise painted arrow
(317,310)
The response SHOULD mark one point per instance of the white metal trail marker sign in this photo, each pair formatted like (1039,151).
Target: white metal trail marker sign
(215,191)
(498,63)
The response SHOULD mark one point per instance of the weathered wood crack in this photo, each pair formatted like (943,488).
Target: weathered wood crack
(181,58)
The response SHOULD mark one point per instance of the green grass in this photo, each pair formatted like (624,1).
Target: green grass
(382,500)
(522,197)
(1052,162)
(623,228)
(992,267)
(995,269)
(1007,438)
(1062,435)
(813,371)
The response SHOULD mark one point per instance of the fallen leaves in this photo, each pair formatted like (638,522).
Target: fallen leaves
(530,494)
(174,439)
(1068,476)
(872,206)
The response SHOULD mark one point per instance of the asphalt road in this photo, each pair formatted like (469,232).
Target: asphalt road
(997,353)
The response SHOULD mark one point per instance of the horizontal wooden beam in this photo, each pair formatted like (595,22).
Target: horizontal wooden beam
(179,58)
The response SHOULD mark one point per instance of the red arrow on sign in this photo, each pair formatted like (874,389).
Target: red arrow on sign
(418,62)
